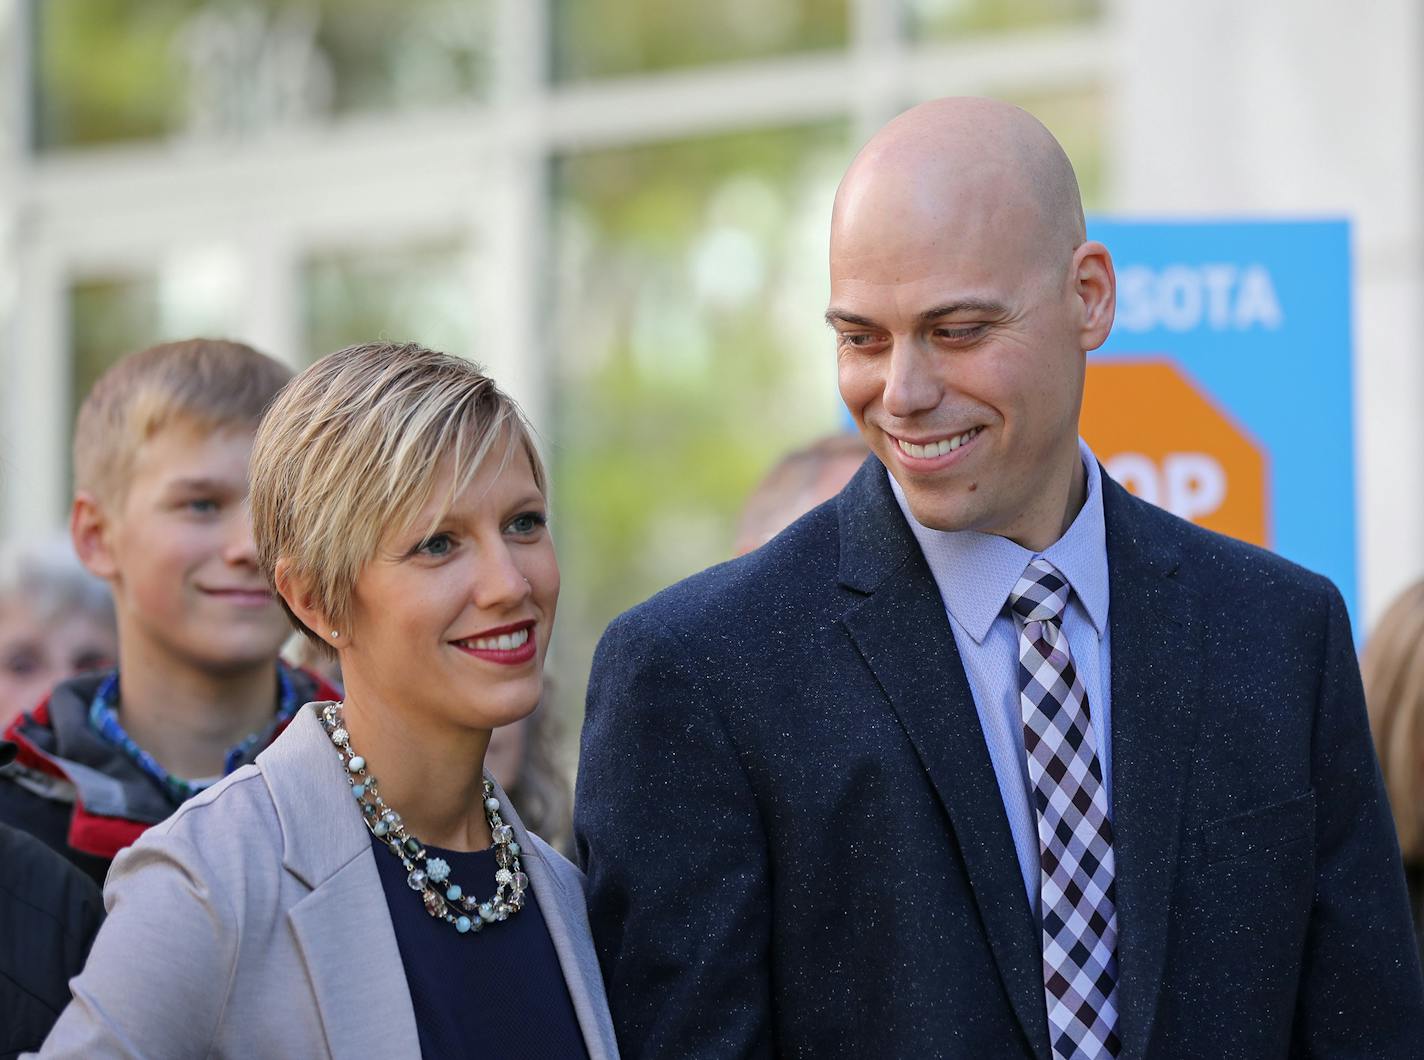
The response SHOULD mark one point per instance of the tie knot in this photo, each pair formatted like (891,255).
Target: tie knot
(1041,593)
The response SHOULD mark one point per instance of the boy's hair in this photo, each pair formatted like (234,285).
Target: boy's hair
(209,382)
(350,452)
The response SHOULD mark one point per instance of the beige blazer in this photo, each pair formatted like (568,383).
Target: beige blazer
(252,923)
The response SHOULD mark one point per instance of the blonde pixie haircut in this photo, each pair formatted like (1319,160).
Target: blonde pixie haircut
(210,383)
(1393,669)
(351,452)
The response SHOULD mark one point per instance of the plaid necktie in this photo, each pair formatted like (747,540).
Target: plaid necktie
(1075,840)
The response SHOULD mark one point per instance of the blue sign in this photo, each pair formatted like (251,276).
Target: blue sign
(1257,315)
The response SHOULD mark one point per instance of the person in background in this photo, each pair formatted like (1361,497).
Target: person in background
(161,446)
(49,914)
(524,758)
(365,889)
(798,482)
(56,621)
(1392,665)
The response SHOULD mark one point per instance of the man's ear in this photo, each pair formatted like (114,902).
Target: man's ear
(296,591)
(1095,285)
(91,531)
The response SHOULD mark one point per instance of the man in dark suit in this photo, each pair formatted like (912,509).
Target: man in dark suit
(985,757)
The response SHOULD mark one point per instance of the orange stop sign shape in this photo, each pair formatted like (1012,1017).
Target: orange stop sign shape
(1166,441)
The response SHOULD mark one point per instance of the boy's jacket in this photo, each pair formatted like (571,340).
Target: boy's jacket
(82,794)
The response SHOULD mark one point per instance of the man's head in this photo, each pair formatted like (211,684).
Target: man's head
(964,297)
(161,447)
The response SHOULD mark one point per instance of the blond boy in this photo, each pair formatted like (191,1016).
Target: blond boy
(161,447)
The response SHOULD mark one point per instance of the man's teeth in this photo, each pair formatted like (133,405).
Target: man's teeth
(503,642)
(939,448)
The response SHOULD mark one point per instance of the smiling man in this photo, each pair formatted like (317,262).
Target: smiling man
(985,757)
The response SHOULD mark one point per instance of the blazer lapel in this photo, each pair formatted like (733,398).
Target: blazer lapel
(344,930)
(902,633)
(1155,663)
(566,918)
(343,926)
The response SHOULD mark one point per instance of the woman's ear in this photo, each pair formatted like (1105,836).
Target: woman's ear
(295,590)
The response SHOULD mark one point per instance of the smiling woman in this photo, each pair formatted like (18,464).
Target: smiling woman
(399,510)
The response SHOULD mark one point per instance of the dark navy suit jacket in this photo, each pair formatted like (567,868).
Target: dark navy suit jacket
(796,846)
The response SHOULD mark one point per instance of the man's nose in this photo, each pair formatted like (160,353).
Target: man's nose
(911,384)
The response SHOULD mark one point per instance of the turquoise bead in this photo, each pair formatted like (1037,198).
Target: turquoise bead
(380,828)
(356,764)
(462,924)
(454,893)
(514,849)
(359,790)
(492,805)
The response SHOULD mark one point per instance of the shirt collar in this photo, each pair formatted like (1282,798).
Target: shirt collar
(976,572)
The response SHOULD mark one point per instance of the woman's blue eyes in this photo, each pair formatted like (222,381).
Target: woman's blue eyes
(527,523)
(521,525)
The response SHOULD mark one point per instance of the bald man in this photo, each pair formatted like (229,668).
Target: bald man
(985,757)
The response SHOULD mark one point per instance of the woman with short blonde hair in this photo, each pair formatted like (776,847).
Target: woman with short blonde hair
(366,888)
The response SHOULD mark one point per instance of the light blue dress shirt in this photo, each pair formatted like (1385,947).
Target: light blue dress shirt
(975,573)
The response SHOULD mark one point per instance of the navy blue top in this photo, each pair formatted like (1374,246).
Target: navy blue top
(497,993)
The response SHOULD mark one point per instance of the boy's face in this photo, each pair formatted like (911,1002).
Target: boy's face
(179,554)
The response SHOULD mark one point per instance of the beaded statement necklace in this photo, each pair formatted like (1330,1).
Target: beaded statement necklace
(430,876)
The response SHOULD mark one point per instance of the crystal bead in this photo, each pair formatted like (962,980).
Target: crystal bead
(356,764)
(492,805)
(516,901)
(514,849)
(434,904)
(462,924)
(392,819)
(501,912)
(369,809)
(504,876)
(416,880)
(453,892)
(503,833)
(503,857)
(486,912)
(521,881)
(340,737)
(469,902)
(438,869)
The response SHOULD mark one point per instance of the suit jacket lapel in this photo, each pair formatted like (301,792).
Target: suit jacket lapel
(1155,663)
(343,926)
(902,633)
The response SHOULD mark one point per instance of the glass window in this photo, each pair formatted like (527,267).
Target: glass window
(690,352)
(413,293)
(192,293)
(112,70)
(601,38)
(949,19)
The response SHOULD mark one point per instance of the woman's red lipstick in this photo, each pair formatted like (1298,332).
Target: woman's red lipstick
(510,645)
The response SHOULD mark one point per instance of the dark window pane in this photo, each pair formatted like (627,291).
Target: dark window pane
(940,19)
(109,318)
(690,353)
(401,294)
(600,38)
(111,70)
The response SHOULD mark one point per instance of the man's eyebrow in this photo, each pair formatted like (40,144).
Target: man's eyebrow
(965,305)
(834,316)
